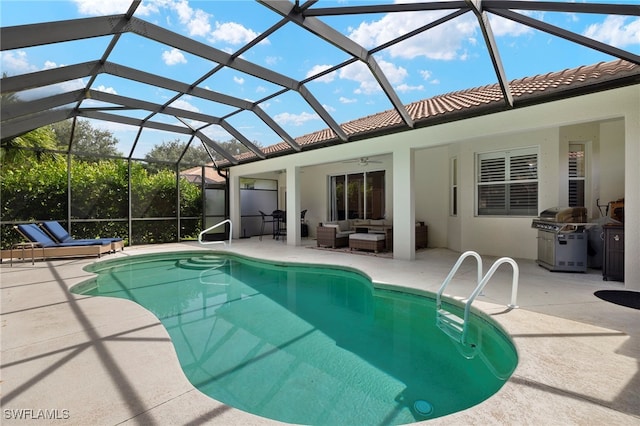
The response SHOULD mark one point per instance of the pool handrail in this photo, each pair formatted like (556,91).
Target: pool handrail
(213,227)
(482,282)
(455,268)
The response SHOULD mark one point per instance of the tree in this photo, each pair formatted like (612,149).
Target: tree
(8,98)
(172,150)
(37,144)
(86,138)
(234,147)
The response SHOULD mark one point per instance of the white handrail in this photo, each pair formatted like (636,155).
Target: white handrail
(447,280)
(481,283)
(485,280)
(213,227)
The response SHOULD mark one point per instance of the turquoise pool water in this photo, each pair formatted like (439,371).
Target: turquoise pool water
(307,344)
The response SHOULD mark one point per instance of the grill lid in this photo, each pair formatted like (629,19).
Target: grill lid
(564,215)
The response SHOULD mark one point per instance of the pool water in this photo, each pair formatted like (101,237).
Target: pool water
(308,344)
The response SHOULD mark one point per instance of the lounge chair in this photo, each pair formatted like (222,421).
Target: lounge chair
(59,234)
(50,248)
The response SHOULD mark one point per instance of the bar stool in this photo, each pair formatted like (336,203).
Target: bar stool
(265,220)
(280,217)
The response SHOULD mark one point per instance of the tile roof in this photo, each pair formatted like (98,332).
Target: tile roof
(470,102)
(194,175)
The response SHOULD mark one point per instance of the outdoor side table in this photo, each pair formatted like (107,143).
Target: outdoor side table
(23,246)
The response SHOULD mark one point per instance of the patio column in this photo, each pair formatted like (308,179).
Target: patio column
(293,206)
(404,236)
(632,195)
(234,203)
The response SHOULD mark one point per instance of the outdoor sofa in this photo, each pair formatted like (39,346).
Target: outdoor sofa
(336,233)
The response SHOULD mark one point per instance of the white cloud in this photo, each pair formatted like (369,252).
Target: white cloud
(50,65)
(360,73)
(344,100)
(615,30)
(505,27)
(199,24)
(406,88)
(105,89)
(272,60)
(112,7)
(426,74)
(442,42)
(183,104)
(173,57)
(295,119)
(232,33)
(184,11)
(394,74)
(261,89)
(238,80)
(16,62)
(316,69)
(196,21)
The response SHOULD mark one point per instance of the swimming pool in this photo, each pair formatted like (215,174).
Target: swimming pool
(308,344)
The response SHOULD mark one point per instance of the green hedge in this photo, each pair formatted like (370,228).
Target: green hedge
(37,190)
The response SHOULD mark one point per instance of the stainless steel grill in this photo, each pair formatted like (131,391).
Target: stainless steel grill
(562,240)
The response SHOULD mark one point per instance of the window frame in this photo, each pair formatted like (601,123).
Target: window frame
(334,214)
(576,177)
(453,187)
(509,184)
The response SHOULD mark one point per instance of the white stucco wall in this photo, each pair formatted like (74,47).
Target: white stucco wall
(608,121)
(432,192)
(612,161)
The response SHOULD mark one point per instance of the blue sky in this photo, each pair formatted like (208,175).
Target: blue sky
(448,58)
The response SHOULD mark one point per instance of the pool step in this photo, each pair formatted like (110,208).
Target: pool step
(202,262)
(450,323)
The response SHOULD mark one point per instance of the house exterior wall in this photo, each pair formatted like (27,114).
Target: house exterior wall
(431,192)
(608,121)
(612,162)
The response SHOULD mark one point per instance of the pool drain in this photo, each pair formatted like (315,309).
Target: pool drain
(423,407)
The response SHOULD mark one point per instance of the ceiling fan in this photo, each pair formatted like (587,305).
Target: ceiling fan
(362,161)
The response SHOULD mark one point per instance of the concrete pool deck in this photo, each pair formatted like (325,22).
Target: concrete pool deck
(102,361)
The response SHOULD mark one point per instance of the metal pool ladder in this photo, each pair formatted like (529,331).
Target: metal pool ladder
(450,323)
(201,241)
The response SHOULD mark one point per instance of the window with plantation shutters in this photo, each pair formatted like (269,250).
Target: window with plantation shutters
(576,174)
(507,183)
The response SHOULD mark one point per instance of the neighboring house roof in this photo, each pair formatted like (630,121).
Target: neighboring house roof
(470,103)
(194,175)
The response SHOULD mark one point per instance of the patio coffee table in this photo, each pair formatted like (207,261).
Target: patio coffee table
(360,241)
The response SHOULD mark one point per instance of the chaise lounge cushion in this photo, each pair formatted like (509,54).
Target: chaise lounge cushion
(59,234)
(36,235)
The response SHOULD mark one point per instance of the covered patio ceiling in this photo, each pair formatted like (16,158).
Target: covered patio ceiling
(98,87)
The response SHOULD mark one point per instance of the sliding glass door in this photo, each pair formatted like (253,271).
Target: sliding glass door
(358,196)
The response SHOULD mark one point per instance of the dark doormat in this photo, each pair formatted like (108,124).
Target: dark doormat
(630,299)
